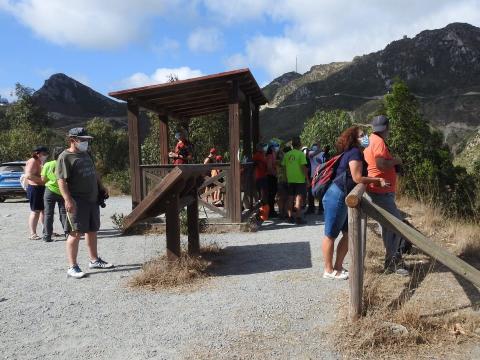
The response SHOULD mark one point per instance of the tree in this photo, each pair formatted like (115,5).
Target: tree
(325,127)
(109,145)
(428,162)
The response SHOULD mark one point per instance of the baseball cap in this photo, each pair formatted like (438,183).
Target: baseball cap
(218,158)
(79,132)
(380,123)
(213,151)
(40,149)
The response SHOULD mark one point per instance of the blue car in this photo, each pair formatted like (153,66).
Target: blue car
(10,186)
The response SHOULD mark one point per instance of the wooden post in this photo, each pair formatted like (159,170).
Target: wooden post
(363,227)
(134,152)
(255,126)
(234,198)
(193,230)
(163,139)
(356,265)
(247,129)
(172,215)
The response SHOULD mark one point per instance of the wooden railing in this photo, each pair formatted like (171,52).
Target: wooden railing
(153,174)
(359,207)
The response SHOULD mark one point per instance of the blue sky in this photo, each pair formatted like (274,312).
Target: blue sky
(115,44)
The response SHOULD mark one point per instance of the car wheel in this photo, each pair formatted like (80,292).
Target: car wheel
(2,199)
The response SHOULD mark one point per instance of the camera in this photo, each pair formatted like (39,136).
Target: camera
(102,196)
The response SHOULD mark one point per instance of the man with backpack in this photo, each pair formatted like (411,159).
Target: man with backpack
(295,163)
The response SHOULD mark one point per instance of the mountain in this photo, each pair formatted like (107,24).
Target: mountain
(441,67)
(70,103)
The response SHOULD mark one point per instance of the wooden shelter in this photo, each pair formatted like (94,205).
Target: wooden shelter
(235,92)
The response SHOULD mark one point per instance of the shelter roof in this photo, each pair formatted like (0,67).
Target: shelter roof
(194,97)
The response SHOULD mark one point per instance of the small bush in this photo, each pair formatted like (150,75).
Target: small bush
(202,223)
(118,221)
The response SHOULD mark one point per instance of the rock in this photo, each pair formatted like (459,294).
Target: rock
(396,329)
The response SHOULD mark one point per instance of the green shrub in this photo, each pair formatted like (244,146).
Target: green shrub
(118,180)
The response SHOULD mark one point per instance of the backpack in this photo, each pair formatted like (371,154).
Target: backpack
(324,175)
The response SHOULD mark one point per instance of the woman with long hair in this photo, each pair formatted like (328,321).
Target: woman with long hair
(351,170)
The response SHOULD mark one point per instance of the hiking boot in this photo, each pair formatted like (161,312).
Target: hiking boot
(99,264)
(47,239)
(75,272)
(291,220)
(396,267)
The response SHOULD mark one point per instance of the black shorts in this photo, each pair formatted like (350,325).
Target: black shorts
(295,189)
(35,197)
(86,217)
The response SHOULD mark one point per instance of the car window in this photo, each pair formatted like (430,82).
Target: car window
(11,168)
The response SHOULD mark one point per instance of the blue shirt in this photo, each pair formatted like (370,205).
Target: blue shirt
(343,177)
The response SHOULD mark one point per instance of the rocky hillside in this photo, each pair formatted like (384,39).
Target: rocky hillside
(71,103)
(441,67)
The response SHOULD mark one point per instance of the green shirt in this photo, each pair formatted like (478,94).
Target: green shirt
(78,170)
(295,162)
(48,171)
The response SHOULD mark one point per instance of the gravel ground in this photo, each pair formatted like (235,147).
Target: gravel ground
(267,299)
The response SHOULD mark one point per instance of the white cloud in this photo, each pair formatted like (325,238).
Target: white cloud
(160,75)
(322,31)
(236,61)
(87,23)
(205,40)
(167,45)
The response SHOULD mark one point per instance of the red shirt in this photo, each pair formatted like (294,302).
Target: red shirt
(378,149)
(260,165)
(181,149)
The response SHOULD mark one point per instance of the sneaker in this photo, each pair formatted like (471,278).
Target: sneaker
(291,220)
(335,275)
(396,269)
(99,264)
(47,239)
(75,272)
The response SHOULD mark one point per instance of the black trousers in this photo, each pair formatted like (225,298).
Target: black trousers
(272,192)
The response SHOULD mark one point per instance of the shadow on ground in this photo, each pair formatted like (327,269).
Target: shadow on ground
(263,258)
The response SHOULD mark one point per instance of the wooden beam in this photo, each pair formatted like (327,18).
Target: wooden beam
(207,112)
(134,153)
(163,140)
(193,228)
(429,247)
(203,108)
(255,126)
(247,129)
(195,94)
(194,104)
(354,197)
(234,194)
(172,226)
(356,264)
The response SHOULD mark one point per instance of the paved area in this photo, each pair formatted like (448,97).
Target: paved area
(266,300)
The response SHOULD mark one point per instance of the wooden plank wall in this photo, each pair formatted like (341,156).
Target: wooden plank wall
(134,152)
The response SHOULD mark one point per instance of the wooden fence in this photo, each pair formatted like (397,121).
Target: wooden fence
(359,207)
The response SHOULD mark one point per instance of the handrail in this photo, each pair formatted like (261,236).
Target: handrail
(359,206)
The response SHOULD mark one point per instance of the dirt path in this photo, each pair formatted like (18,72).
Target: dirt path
(267,299)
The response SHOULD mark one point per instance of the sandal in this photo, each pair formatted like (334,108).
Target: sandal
(34,237)
(335,275)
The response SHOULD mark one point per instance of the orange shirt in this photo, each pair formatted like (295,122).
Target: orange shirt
(378,149)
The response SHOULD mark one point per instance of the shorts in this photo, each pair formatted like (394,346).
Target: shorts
(295,189)
(334,211)
(35,197)
(85,219)
(261,183)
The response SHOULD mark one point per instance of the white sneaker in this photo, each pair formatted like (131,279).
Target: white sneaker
(75,272)
(335,275)
(100,264)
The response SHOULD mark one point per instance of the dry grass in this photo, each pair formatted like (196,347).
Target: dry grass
(386,298)
(160,273)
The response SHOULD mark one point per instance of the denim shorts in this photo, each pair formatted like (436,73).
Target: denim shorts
(335,211)
(35,197)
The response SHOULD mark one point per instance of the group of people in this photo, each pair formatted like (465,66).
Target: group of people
(71,182)
(283,176)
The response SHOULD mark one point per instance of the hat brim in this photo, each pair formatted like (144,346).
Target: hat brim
(379,128)
(85,137)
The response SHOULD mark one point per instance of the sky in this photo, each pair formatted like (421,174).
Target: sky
(116,44)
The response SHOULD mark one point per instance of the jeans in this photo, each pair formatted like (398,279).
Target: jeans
(391,240)
(50,199)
